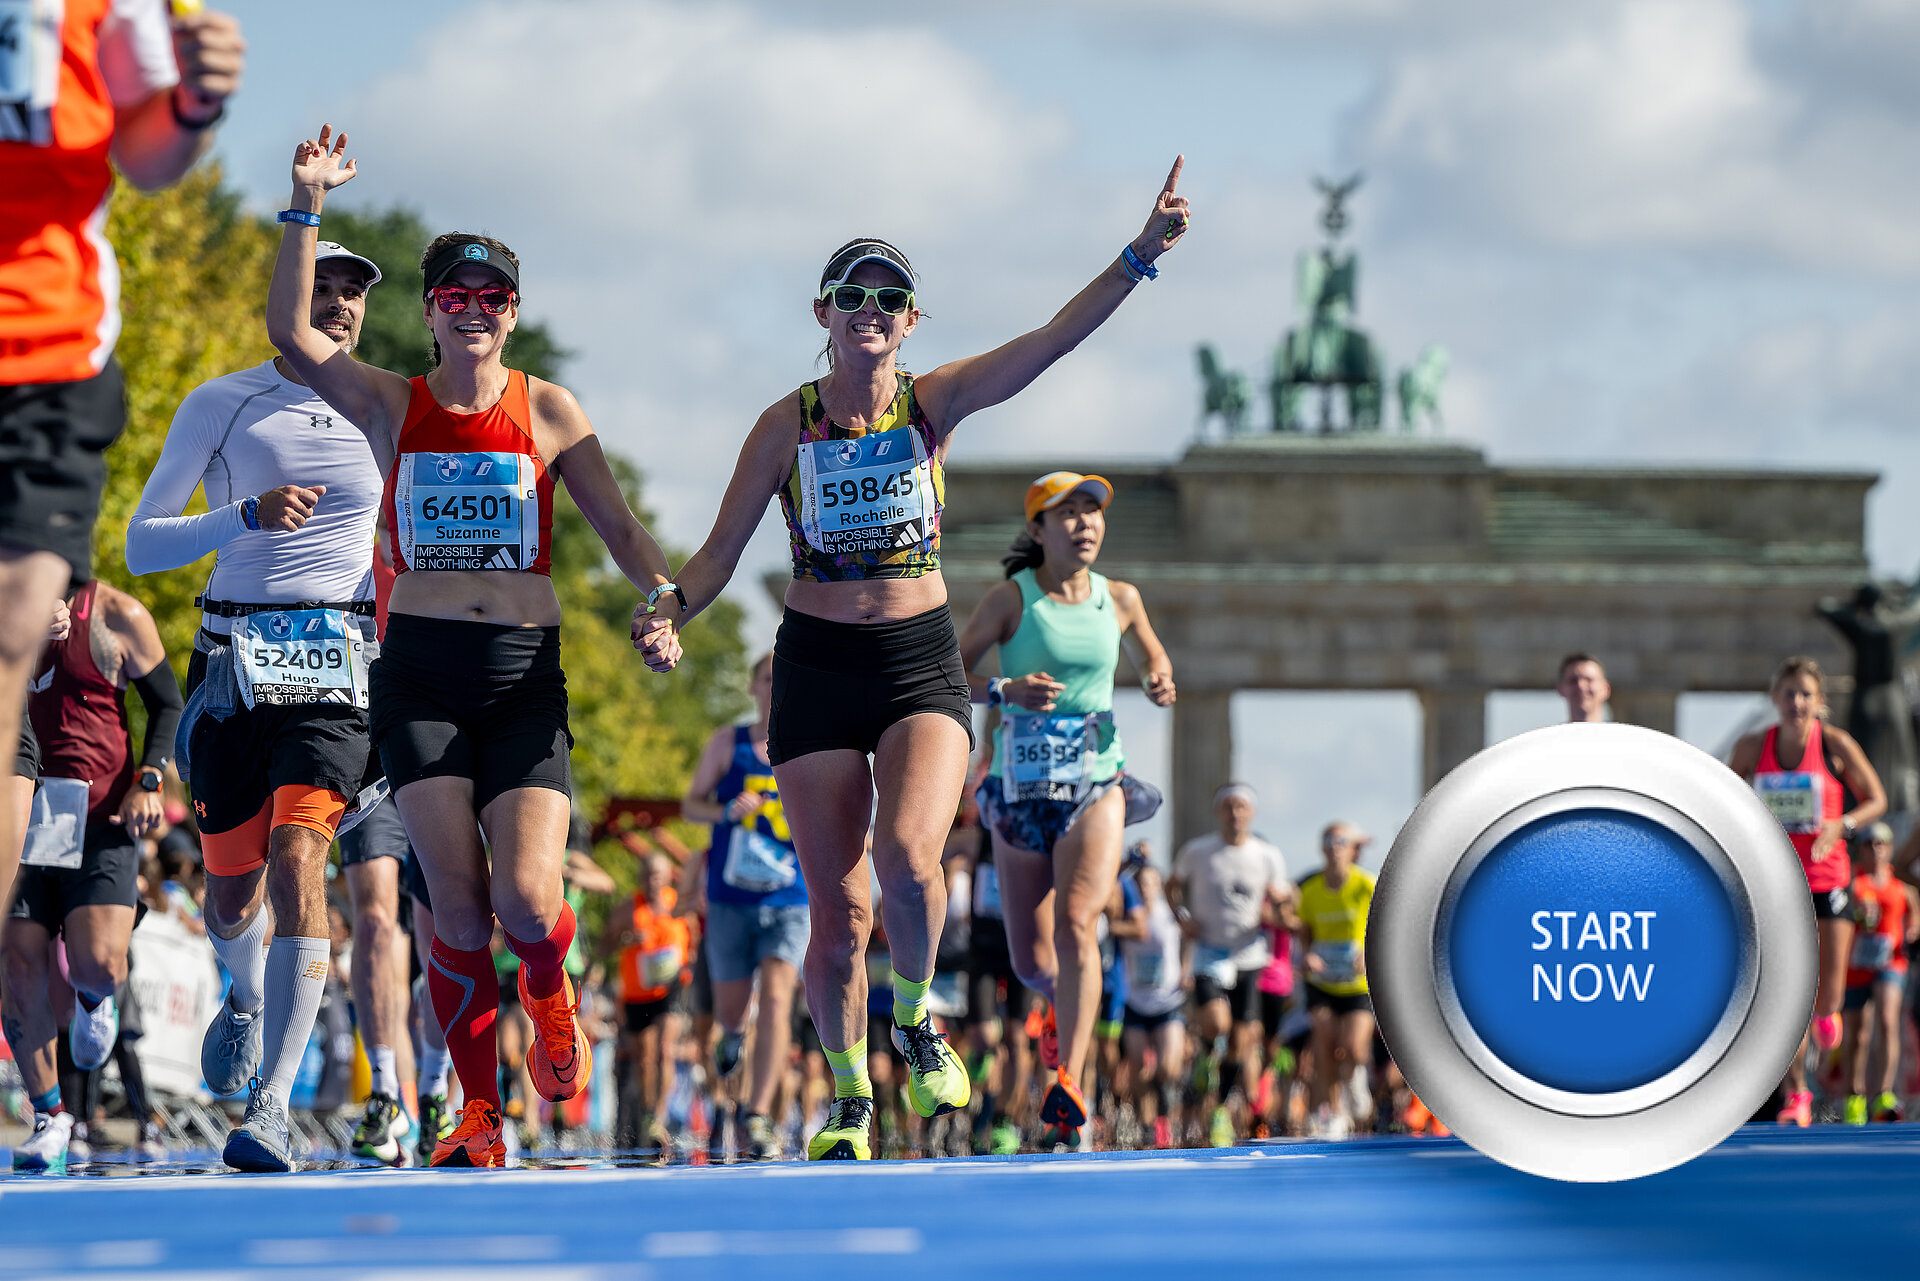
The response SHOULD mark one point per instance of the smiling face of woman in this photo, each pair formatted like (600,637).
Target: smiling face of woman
(868,335)
(471,335)
(1798,698)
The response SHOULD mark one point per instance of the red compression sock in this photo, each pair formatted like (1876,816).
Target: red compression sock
(546,960)
(466,997)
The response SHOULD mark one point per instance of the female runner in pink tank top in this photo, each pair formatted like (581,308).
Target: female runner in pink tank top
(1799,768)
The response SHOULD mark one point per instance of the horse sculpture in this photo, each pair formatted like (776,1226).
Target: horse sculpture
(1228,394)
(1419,388)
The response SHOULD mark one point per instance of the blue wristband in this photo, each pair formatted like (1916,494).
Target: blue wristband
(313,219)
(250,512)
(1138,268)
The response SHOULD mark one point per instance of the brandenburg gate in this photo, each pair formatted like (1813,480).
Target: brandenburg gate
(1366,560)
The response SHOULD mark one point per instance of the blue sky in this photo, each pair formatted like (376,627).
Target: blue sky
(1648,231)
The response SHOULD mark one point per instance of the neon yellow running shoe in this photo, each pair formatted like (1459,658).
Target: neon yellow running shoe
(847,1134)
(936,1078)
(1887,1107)
(1856,1113)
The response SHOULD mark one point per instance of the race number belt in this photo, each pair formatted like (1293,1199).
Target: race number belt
(660,966)
(1793,797)
(300,656)
(1872,952)
(1048,756)
(873,494)
(57,827)
(1146,968)
(467,511)
(1342,961)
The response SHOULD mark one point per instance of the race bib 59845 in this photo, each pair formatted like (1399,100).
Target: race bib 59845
(873,494)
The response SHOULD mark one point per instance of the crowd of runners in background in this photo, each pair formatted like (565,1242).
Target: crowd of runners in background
(873,930)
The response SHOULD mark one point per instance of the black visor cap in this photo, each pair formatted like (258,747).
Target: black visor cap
(461,253)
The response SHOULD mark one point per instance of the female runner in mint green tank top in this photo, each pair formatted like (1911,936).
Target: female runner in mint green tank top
(1058,798)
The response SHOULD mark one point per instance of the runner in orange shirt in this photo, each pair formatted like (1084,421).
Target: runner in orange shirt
(654,952)
(84,86)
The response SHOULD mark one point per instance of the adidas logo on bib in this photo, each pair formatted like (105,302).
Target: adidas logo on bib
(504,559)
(909,534)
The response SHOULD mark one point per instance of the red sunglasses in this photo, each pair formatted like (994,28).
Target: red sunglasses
(453,298)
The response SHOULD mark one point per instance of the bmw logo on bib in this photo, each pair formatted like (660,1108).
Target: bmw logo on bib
(848,453)
(1566,950)
(448,467)
(279,627)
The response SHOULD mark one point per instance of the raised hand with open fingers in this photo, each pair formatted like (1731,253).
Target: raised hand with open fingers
(1168,222)
(322,164)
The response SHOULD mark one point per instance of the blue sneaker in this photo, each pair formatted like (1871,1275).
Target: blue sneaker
(230,1052)
(260,1144)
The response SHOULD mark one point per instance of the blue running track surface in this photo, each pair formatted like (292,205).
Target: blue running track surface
(1768,1202)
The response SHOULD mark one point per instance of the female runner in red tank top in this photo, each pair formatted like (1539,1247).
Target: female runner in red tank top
(871,725)
(468,701)
(1799,767)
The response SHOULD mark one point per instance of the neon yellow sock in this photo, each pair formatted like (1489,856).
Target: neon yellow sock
(850,1070)
(909,1000)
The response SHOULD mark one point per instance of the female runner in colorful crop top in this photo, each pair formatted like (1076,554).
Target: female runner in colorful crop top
(468,701)
(866,663)
(1799,768)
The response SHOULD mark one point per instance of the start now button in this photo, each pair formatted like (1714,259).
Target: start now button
(1593,950)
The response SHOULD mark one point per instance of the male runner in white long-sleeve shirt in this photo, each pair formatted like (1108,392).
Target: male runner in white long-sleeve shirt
(293,492)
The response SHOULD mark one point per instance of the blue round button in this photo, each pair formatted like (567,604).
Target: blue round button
(1593,950)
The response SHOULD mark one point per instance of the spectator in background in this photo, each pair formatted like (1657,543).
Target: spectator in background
(1583,683)
(654,951)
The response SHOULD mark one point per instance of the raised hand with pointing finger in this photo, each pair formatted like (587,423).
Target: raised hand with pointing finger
(1169,220)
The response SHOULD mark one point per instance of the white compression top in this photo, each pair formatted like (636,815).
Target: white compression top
(241,436)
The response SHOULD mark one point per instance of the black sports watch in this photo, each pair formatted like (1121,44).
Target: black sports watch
(150,779)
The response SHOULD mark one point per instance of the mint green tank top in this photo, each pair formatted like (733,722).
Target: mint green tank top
(1077,645)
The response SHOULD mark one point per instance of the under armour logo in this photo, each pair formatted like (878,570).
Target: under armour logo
(200,808)
(322,421)
(315,970)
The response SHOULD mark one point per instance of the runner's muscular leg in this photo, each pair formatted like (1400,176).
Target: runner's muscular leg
(527,828)
(380,959)
(919,769)
(829,810)
(1026,900)
(297,881)
(31,582)
(1086,864)
(438,815)
(97,937)
(26,1009)
(773,1031)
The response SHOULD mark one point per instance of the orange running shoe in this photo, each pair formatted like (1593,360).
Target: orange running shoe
(476,1141)
(1416,1118)
(1044,1032)
(1799,1109)
(560,1061)
(1064,1105)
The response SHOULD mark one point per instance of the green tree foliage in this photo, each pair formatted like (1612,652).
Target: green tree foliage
(195,269)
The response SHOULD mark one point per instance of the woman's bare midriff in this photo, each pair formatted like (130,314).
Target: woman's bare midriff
(506,598)
(873,600)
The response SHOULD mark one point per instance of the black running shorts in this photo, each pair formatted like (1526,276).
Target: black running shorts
(1243,996)
(237,764)
(840,686)
(479,701)
(1340,1003)
(380,834)
(1834,904)
(53,438)
(109,874)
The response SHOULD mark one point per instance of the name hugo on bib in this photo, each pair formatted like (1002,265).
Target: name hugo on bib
(466,510)
(871,494)
(288,656)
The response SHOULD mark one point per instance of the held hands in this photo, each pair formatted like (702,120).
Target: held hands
(289,507)
(1036,693)
(321,166)
(1169,221)
(657,639)
(62,623)
(208,48)
(1159,687)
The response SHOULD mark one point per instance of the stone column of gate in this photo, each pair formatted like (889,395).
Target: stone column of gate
(1202,759)
(1454,727)
(1653,708)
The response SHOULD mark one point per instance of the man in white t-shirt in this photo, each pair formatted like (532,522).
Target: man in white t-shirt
(1226,888)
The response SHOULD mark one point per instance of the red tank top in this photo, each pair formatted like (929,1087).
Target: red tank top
(469,491)
(1802,798)
(80,717)
(1880,935)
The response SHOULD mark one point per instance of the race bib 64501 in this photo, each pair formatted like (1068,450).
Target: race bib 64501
(467,511)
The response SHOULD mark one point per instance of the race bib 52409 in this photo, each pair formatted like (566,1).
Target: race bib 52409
(874,494)
(287,656)
(467,511)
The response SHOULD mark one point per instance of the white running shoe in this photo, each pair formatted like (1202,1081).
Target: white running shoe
(79,1144)
(1360,1095)
(45,1152)
(93,1032)
(151,1147)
